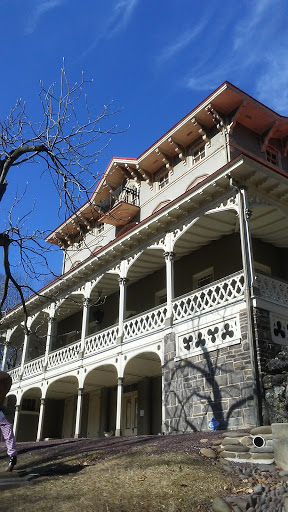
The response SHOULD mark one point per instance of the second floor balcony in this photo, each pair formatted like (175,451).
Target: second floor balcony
(216,297)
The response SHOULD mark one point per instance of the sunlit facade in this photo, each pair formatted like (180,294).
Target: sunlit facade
(174,289)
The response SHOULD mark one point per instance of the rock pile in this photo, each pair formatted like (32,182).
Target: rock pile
(265,489)
(255,446)
(275,385)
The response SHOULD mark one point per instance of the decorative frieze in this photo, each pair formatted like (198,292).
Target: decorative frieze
(209,337)
(279,329)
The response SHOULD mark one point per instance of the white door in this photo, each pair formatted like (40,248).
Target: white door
(129,414)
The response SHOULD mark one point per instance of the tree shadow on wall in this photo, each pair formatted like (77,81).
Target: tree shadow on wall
(198,392)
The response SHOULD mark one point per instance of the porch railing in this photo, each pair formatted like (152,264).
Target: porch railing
(220,293)
(101,340)
(272,289)
(33,367)
(150,321)
(64,355)
(15,373)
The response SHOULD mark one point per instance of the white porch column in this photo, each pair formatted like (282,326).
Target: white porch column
(122,307)
(4,357)
(16,420)
(249,279)
(119,406)
(85,323)
(24,353)
(169,260)
(79,412)
(49,339)
(41,419)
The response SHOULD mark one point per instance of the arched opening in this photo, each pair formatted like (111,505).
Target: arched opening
(207,251)
(60,408)
(146,282)
(37,337)
(15,348)
(29,415)
(104,303)
(142,395)
(99,401)
(67,328)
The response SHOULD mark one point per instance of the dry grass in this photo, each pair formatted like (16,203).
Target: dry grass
(140,480)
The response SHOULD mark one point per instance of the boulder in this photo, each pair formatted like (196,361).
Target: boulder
(208,452)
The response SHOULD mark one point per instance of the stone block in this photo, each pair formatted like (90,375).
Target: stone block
(228,455)
(281,452)
(247,441)
(230,440)
(236,448)
(245,456)
(279,430)
(262,456)
(262,449)
(265,429)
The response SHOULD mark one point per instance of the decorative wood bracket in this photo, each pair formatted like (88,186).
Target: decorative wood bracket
(203,131)
(146,175)
(165,159)
(235,116)
(285,146)
(123,170)
(133,173)
(267,136)
(67,237)
(60,242)
(179,150)
(216,117)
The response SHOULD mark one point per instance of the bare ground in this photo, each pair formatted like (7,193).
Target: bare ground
(143,473)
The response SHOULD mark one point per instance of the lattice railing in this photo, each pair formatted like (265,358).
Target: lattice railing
(15,374)
(272,289)
(64,355)
(101,340)
(151,321)
(225,291)
(34,367)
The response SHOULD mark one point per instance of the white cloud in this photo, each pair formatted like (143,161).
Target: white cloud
(272,83)
(179,44)
(122,13)
(116,22)
(39,9)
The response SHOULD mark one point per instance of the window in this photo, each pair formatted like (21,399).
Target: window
(100,228)
(272,156)
(203,278)
(29,404)
(161,297)
(262,267)
(198,154)
(163,180)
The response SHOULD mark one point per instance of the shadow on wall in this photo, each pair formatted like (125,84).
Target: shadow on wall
(197,392)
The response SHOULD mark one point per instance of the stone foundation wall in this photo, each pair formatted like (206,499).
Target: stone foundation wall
(214,384)
(273,365)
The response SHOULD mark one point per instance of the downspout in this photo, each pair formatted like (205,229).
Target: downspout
(248,270)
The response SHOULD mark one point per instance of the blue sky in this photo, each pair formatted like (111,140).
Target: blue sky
(157,59)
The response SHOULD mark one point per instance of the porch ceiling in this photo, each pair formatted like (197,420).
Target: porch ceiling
(148,262)
(107,285)
(206,229)
(270,225)
(102,376)
(146,364)
(70,306)
(63,388)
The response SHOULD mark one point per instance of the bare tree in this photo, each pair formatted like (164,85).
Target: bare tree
(65,144)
